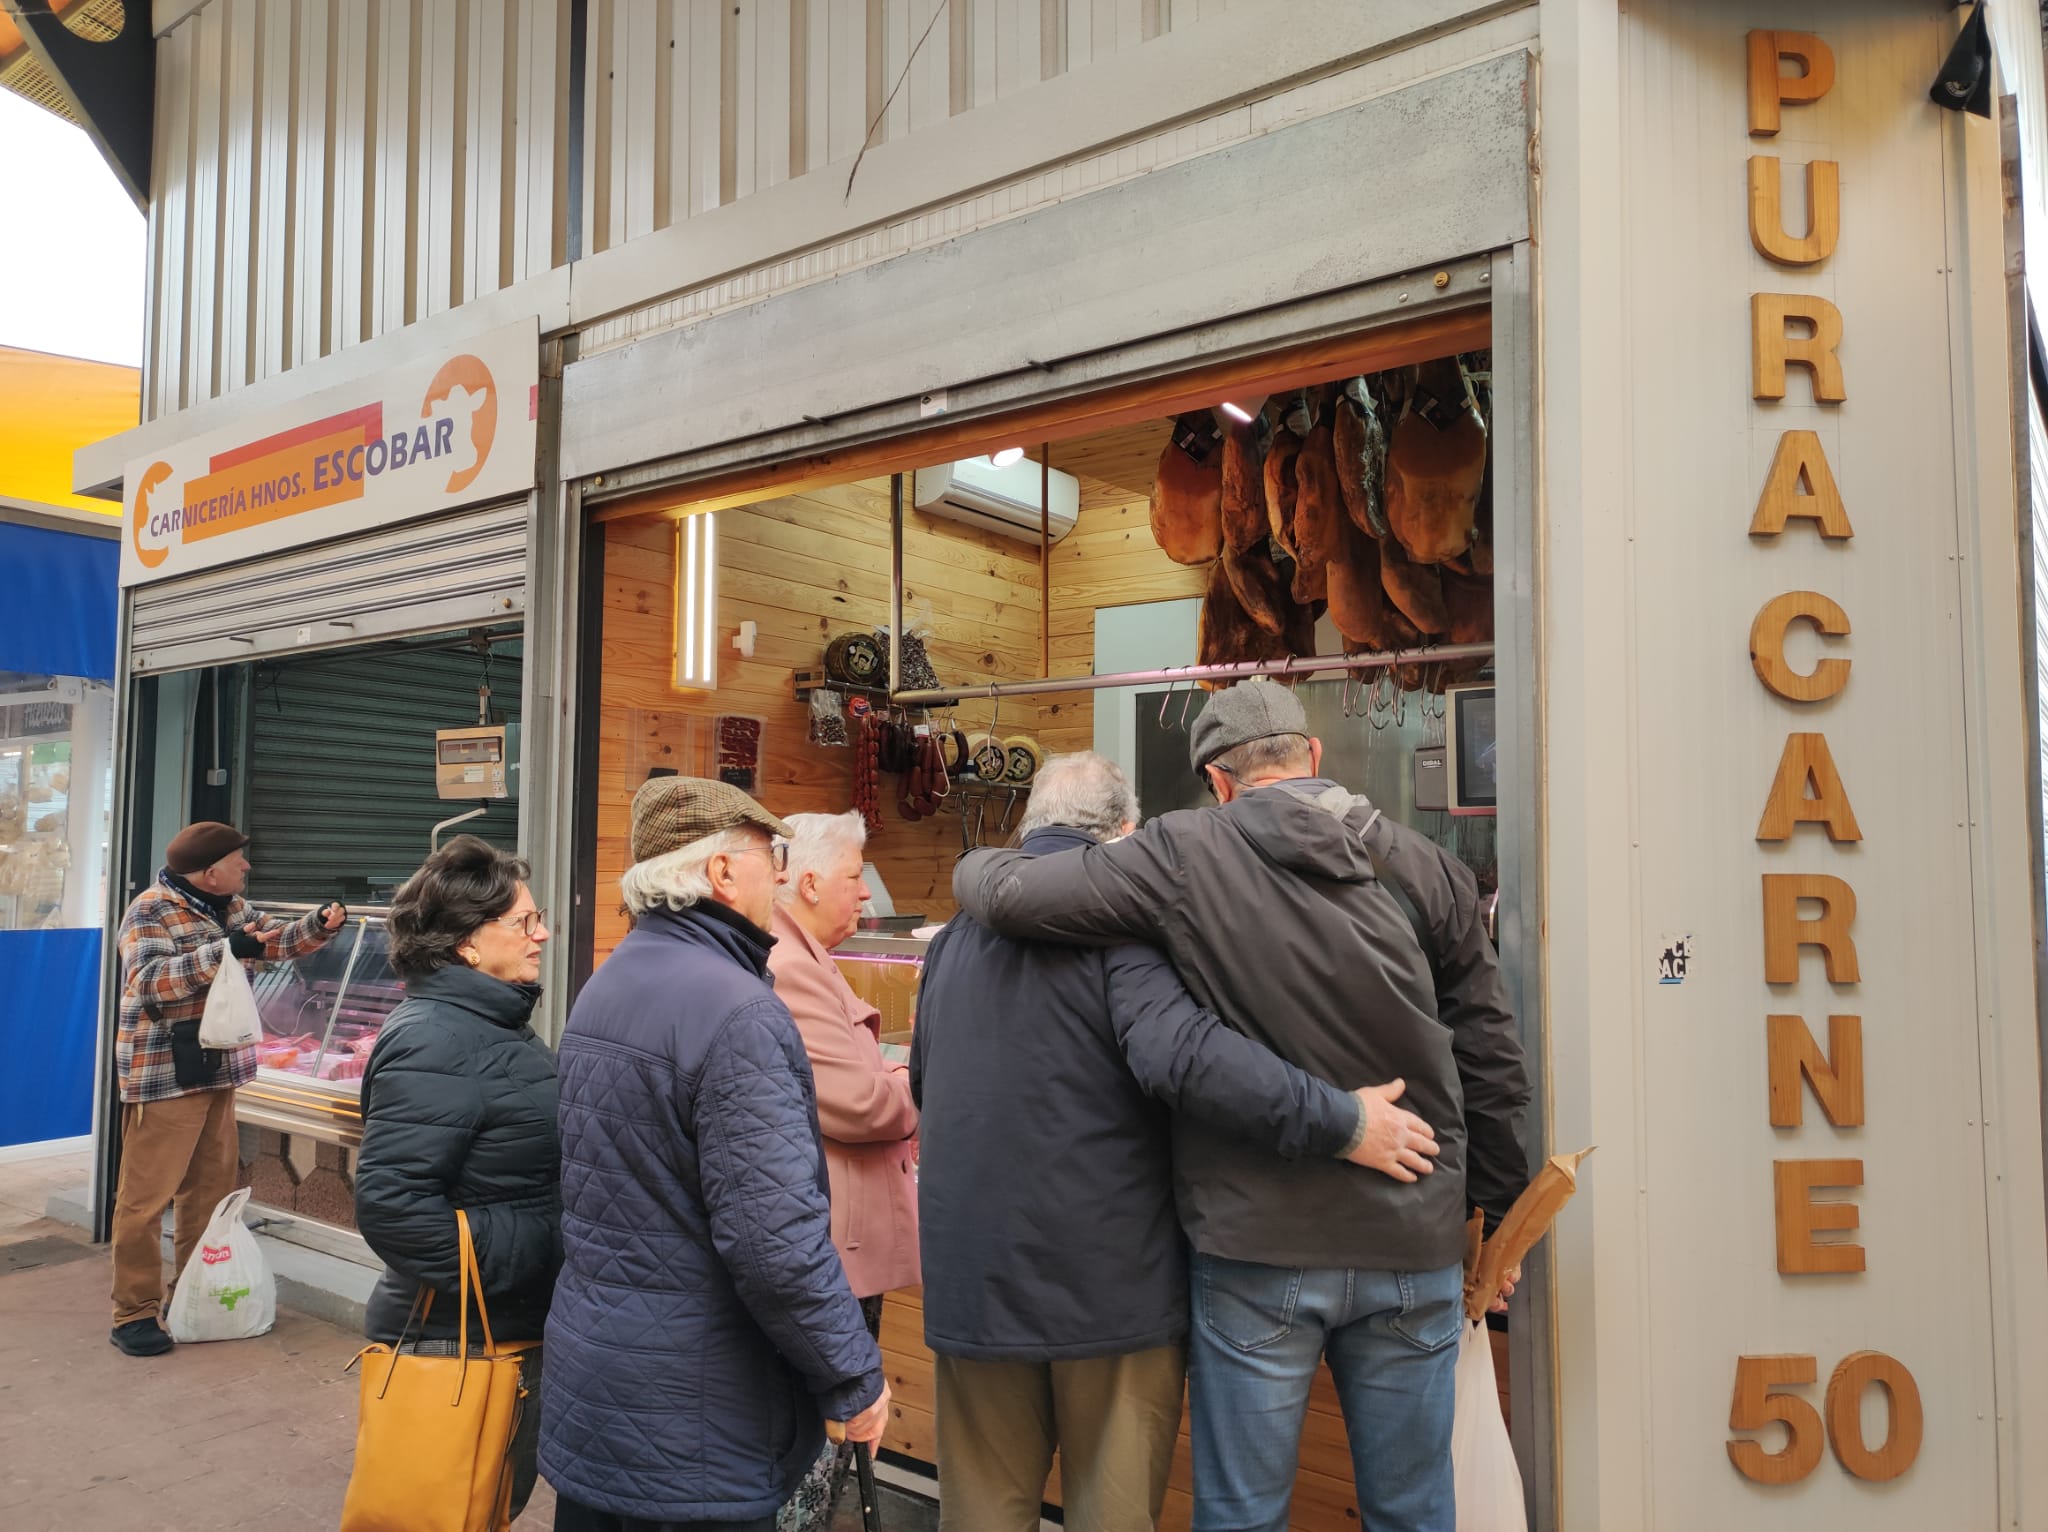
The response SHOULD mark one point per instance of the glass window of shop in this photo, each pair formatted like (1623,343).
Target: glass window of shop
(56,777)
(332,763)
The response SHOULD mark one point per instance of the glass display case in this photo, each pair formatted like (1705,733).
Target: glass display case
(883,969)
(322,1013)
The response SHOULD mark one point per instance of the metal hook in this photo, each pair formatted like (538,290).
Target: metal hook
(1165,701)
(1187,702)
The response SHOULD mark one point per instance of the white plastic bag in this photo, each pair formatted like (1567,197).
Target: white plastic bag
(1489,1482)
(226,1291)
(230,1020)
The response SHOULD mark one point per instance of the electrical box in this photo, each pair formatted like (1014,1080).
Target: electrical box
(1432,782)
(478,762)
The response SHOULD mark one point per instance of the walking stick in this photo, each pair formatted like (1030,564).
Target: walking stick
(864,1476)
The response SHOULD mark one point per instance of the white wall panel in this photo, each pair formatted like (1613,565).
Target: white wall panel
(328,171)
(1680,1091)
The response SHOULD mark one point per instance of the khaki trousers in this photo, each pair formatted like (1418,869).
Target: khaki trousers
(1113,1420)
(183,1152)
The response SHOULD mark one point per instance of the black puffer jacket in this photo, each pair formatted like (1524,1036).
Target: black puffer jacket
(459,1112)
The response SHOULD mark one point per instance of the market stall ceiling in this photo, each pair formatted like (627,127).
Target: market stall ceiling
(1116,466)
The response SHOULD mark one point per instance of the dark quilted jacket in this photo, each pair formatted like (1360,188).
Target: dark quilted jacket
(702,1327)
(459,1112)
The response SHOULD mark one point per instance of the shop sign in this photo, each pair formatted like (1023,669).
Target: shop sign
(1781,1436)
(453,429)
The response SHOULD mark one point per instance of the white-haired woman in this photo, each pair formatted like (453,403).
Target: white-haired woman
(864,1105)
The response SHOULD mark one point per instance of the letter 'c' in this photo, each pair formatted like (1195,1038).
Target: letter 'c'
(1767,646)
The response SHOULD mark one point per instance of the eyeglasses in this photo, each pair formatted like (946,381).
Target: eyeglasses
(778,853)
(527,922)
(1210,782)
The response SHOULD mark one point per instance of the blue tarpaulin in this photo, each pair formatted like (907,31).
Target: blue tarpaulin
(51,984)
(59,602)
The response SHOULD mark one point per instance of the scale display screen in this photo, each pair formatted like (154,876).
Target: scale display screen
(488,750)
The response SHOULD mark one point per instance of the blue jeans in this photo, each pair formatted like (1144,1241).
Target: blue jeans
(1258,1333)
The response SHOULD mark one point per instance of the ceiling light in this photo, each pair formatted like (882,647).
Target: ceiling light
(1237,412)
(1007,456)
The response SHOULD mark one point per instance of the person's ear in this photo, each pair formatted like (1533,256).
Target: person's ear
(1315,756)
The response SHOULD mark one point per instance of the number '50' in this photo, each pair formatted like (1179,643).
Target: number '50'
(1759,1400)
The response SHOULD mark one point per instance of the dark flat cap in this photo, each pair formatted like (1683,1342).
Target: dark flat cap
(197,847)
(1254,709)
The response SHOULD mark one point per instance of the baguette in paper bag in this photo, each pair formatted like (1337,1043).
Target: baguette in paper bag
(1487,1261)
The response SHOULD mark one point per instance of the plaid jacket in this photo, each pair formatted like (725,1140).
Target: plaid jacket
(171,947)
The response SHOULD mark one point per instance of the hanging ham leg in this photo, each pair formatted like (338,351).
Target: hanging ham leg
(1187,504)
(1319,516)
(1243,490)
(1260,587)
(1435,464)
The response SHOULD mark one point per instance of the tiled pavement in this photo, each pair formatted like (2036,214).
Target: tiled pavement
(253,1434)
(244,1434)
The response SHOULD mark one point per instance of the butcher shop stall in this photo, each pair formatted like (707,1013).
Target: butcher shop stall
(916,640)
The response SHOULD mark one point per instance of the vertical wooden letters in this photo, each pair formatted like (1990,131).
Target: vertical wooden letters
(1836,1077)
(1807,789)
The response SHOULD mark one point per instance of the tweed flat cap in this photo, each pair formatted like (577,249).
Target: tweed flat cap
(670,813)
(1254,709)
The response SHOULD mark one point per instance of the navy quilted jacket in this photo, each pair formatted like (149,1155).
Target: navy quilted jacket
(702,1327)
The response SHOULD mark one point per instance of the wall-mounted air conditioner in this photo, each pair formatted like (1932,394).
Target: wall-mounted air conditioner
(1002,500)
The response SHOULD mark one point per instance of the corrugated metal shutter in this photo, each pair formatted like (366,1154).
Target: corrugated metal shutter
(428,576)
(341,767)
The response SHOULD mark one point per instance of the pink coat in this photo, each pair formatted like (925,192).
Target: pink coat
(864,1109)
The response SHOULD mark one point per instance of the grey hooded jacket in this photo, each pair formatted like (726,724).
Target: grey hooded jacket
(1270,909)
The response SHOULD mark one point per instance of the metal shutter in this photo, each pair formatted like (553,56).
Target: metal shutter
(341,767)
(428,576)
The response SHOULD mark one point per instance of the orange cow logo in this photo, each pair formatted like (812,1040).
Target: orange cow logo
(464,386)
(152,480)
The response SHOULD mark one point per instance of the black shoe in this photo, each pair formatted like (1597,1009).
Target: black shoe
(141,1337)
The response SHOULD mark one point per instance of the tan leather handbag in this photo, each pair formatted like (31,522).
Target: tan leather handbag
(434,1433)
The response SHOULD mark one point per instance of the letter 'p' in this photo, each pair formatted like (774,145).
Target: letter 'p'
(1768,89)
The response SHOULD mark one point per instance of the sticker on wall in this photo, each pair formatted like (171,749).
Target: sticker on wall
(1674,958)
(739,751)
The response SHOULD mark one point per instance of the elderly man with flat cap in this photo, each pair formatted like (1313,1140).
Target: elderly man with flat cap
(177,1098)
(703,1330)
(1353,947)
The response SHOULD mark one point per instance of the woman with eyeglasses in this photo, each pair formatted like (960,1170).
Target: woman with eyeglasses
(459,1113)
(864,1106)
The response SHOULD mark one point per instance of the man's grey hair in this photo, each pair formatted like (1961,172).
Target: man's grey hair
(1082,791)
(679,878)
(1256,757)
(818,840)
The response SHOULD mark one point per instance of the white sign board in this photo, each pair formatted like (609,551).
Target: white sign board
(453,429)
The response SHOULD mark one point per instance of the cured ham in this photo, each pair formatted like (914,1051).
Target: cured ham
(1319,516)
(1260,587)
(1187,502)
(1243,491)
(1416,589)
(1436,462)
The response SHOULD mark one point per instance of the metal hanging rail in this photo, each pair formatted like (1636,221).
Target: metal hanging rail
(1297,666)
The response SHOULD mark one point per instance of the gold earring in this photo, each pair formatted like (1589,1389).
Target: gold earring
(469,956)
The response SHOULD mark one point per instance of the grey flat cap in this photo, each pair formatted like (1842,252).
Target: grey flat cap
(1254,709)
